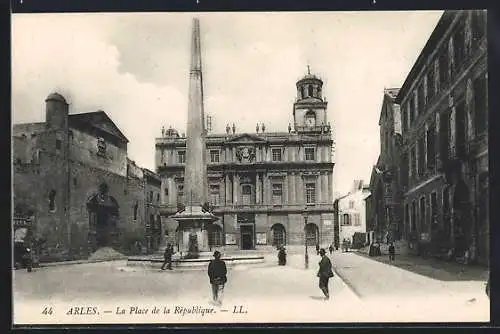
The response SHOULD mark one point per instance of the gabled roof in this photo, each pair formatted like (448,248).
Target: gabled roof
(389,98)
(246,138)
(99,120)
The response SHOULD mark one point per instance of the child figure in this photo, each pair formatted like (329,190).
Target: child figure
(392,252)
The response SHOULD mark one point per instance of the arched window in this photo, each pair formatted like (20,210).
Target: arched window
(246,192)
(136,206)
(310,118)
(319,92)
(310,91)
(279,235)
(303,92)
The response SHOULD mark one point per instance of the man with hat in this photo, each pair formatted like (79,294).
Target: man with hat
(325,272)
(217,272)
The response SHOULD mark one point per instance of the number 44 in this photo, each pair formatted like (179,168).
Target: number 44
(47,310)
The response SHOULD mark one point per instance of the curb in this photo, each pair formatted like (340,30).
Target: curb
(68,263)
(345,282)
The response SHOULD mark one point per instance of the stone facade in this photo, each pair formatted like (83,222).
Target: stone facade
(385,218)
(59,166)
(257,181)
(444,160)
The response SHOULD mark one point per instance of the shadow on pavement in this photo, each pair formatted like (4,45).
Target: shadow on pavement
(434,268)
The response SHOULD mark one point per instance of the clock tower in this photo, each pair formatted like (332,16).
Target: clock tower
(309,109)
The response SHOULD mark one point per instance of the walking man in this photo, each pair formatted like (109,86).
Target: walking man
(169,250)
(217,272)
(325,272)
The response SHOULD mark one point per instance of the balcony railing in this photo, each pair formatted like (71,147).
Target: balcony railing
(166,209)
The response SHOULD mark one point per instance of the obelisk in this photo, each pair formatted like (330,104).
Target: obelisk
(193,221)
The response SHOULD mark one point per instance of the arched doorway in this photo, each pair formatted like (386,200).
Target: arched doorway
(215,236)
(312,234)
(462,218)
(278,235)
(103,216)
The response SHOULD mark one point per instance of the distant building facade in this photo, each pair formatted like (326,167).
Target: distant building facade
(385,218)
(260,184)
(444,161)
(73,178)
(352,211)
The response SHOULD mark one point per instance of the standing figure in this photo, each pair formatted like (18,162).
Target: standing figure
(325,272)
(317,249)
(330,249)
(282,256)
(392,252)
(169,250)
(217,272)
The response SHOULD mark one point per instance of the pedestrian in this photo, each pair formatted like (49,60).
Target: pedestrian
(282,256)
(317,249)
(29,260)
(325,272)
(392,252)
(217,272)
(169,250)
(330,249)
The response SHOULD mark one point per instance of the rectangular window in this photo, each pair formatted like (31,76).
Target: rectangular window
(150,196)
(458,48)
(404,119)
(357,219)
(346,220)
(158,197)
(460,129)
(351,204)
(421,97)
(246,194)
(434,207)
(214,194)
(431,87)
(58,144)
(309,152)
(180,193)
(404,170)
(423,221)
(421,157)
(166,191)
(214,156)
(431,149)
(277,193)
(413,166)
(443,67)
(413,216)
(310,193)
(181,157)
(411,105)
(480,105)
(276,152)
(444,128)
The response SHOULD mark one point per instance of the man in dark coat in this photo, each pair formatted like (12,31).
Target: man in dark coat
(217,272)
(169,250)
(325,272)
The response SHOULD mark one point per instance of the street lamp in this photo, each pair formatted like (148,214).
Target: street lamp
(306,256)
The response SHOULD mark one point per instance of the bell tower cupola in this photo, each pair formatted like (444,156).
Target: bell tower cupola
(309,109)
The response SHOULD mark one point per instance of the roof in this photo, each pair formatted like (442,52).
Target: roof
(100,120)
(429,46)
(389,97)
(56,97)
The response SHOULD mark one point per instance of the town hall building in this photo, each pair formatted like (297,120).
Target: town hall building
(266,188)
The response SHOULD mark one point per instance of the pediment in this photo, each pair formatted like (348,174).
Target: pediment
(245,138)
(101,121)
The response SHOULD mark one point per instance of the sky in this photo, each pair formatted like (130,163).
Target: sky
(135,67)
